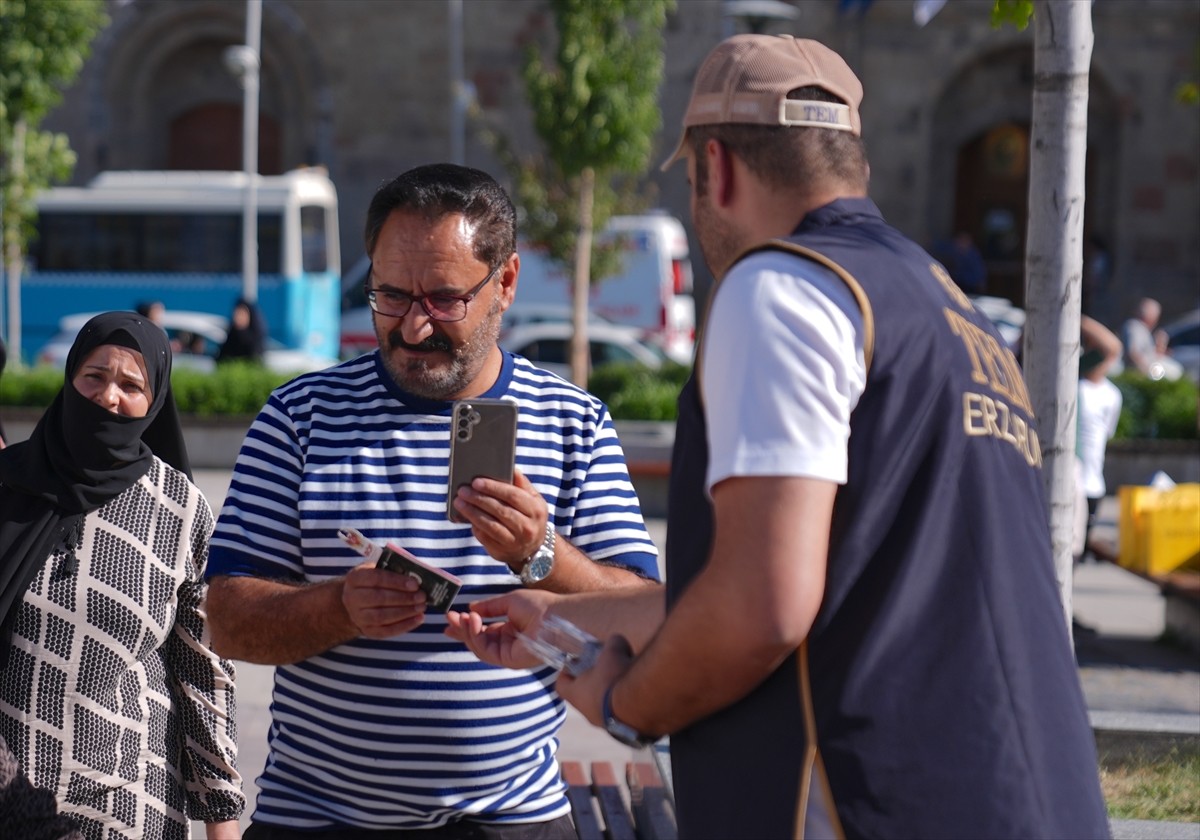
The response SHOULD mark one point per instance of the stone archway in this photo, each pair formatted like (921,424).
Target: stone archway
(980,145)
(161,75)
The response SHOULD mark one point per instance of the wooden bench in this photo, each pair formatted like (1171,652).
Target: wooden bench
(604,809)
(1180,590)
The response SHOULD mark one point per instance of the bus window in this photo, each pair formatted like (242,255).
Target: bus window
(177,237)
(312,239)
(159,242)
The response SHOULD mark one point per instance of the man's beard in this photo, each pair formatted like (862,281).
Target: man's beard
(719,242)
(435,379)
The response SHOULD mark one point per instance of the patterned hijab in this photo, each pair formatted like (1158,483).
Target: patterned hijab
(81,455)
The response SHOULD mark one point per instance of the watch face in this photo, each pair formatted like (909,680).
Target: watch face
(538,567)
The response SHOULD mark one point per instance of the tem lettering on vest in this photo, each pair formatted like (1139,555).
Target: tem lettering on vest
(951,288)
(992,364)
(995,366)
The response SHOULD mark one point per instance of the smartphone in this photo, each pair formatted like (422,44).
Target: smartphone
(483,443)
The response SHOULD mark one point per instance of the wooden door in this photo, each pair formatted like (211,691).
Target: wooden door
(991,203)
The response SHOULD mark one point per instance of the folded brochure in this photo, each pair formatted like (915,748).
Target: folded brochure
(440,587)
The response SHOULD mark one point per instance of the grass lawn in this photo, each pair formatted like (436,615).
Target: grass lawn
(1164,788)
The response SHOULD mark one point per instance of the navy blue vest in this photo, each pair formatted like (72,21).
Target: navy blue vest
(938,672)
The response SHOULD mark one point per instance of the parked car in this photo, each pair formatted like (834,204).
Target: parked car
(520,314)
(197,337)
(548,345)
(1008,319)
(1183,342)
(357,331)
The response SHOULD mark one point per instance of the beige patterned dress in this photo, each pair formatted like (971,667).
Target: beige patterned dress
(112,697)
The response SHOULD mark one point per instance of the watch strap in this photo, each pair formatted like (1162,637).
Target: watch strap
(620,730)
(545,550)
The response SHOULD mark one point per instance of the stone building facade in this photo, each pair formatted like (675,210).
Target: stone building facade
(363,87)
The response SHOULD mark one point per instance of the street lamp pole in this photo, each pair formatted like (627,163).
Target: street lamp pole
(458,116)
(756,15)
(243,61)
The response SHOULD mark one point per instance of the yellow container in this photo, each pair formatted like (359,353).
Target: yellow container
(1159,530)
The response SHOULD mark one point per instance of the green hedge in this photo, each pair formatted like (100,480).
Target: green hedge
(33,388)
(234,388)
(1157,409)
(1151,409)
(634,392)
(631,391)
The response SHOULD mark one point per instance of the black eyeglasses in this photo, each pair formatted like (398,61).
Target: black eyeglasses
(440,307)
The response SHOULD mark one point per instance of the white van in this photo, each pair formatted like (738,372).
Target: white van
(652,291)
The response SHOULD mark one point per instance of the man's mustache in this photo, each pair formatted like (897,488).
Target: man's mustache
(433,343)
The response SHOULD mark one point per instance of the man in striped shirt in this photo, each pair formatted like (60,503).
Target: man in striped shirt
(383,727)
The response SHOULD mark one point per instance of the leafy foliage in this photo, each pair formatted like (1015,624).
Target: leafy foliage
(1151,408)
(43,44)
(1016,12)
(33,388)
(634,392)
(1188,91)
(595,107)
(1157,408)
(235,388)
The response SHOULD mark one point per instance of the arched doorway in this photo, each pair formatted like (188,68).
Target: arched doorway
(163,78)
(209,137)
(980,161)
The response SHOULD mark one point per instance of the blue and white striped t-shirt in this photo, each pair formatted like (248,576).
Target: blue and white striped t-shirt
(413,731)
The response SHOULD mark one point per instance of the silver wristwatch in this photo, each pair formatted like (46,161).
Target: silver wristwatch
(541,564)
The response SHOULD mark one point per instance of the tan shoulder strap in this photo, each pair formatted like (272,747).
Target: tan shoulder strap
(860,297)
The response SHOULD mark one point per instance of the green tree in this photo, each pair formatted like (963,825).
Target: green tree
(43,44)
(596,113)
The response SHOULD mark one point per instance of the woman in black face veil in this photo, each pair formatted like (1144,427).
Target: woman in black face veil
(109,691)
(247,335)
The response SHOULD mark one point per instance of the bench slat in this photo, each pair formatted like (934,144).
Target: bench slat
(607,790)
(583,809)
(653,813)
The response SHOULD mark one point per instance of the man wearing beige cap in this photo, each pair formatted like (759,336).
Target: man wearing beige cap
(862,634)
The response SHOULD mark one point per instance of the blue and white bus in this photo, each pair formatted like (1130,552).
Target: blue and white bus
(176,237)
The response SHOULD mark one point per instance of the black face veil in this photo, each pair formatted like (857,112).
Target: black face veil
(81,455)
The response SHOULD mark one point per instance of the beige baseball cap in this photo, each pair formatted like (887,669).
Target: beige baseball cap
(746,79)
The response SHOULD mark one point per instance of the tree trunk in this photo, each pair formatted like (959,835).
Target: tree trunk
(12,241)
(582,286)
(1054,255)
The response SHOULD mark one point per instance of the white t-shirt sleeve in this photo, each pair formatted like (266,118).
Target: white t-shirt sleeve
(782,368)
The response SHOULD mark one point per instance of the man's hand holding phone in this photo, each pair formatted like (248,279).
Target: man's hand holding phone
(509,520)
